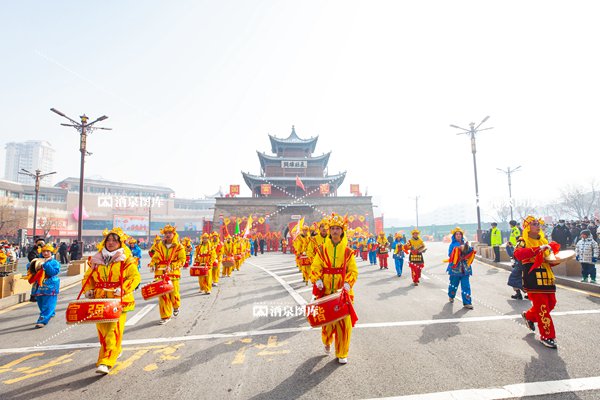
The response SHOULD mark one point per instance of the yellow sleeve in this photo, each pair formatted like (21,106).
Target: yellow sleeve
(316,268)
(213,256)
(131,276)
(351,271)
(180,260)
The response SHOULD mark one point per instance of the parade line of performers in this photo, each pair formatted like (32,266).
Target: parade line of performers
(326,258)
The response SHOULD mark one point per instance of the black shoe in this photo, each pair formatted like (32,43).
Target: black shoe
(529,323)
(551,343)
(517,296)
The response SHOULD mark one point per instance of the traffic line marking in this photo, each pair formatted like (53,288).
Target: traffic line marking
(455,298)
(509,391)
(140,314)
(8,367)
(285,285)
(284,330)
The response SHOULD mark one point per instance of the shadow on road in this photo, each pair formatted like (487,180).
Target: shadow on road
(437,332)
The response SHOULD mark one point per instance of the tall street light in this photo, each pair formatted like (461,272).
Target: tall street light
(84,128)
(37,176)
(508,172)
(472,131)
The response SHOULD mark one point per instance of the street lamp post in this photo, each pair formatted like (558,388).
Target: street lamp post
(84,128)
(417,210)
(508,172)
(472,131)
(37,176)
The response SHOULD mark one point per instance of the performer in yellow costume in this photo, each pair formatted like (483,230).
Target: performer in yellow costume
(301,244)
(205,257)
(187,245)
(215,241)
(415,247)
(168,258)
(113,273)
(334,268)
(238,251)
(228,254)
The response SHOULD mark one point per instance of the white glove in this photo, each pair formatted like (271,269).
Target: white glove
(346,286)
(319,284)
(89,294)
(117,292)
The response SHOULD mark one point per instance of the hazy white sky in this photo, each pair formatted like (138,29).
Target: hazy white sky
(192,88)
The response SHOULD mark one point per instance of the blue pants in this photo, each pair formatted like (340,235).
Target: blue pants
(465,288)
(47,306)
(373,257)
(399,263)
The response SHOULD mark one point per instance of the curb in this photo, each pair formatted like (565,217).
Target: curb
(65,283)
(560,280)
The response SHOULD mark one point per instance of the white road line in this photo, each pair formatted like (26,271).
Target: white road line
(510,391)
(425,276)
(305,289)
(285,285)
(295,281)
(289,274)
(140,314)
(285,330)
(289,267)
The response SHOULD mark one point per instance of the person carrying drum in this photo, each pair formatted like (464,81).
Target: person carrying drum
(205,257)
(415,247)
(398,253)
(316,241)
(43,275)
(538,279)
(382,250)
(303,261)
(461,256)
(333,269)
(215,241)
(168,258)
(113,273)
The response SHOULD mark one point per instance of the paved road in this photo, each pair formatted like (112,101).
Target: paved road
(408,341)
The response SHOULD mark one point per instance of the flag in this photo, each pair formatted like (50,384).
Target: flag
(237,227)
(248,226)
(299,183)
(298,227)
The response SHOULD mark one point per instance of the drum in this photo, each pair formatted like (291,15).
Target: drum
(238,256)
(415,258)
(228,262)
(305,261)
(327,310)
(199,271)
(157,288)
(561,256)
(86,311)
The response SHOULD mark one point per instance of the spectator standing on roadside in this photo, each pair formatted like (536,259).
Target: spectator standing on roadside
(587,254)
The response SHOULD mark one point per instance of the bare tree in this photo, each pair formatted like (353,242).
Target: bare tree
(9,218)
(47,224)
(578,202)
(523,208)
(502,210)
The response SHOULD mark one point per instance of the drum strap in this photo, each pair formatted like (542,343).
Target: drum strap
(104,283)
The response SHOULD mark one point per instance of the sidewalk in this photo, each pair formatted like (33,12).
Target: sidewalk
(569,281)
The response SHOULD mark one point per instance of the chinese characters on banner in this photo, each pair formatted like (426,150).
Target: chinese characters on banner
(354,189)
(265,189)
(129,202)
(234,190)
(324,188)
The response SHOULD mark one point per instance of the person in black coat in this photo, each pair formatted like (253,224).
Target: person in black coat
(62,251)
(74,250)
(561,234)
(33,252)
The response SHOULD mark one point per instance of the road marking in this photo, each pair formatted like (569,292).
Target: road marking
(305,289)
(295,281)
(120,366)
(456,298)
(510,391)
(140,314)
(8,367)
(425,276)
(41,370)
(14,307)
(283,331)
(289,274)
(285,285)
(290,267)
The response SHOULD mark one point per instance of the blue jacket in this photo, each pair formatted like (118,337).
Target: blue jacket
(459,263)
(400,253)
(51,284)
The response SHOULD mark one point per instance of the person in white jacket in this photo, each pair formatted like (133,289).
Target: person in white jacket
(586,250)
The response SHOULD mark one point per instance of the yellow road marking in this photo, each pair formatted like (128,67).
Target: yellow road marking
(167,351)
(19,305)
(43,369)
(150,367)
(8,367)
(240,356)
(120,366)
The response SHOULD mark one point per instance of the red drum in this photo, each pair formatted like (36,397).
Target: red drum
(228,262)
(199,271)
(327,310)
(238,256)
(86,311)
(157,288)
(305,261)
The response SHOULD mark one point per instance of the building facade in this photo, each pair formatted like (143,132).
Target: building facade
(29,155)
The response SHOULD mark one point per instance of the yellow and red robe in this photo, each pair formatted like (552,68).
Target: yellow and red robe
(169,259)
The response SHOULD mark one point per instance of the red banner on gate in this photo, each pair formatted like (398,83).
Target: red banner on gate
(354,188)
(324,188)
(265,188)
(234,190)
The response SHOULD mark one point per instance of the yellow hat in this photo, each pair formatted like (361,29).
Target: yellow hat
(338,220)
(205,236)
(132,241)
(415,231)
(530,218)
(168,228)
(122,239)
(457,229)
(47,247)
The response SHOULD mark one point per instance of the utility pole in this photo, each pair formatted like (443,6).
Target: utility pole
(508,172)
(37,176)
(472,131)
(84,128)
